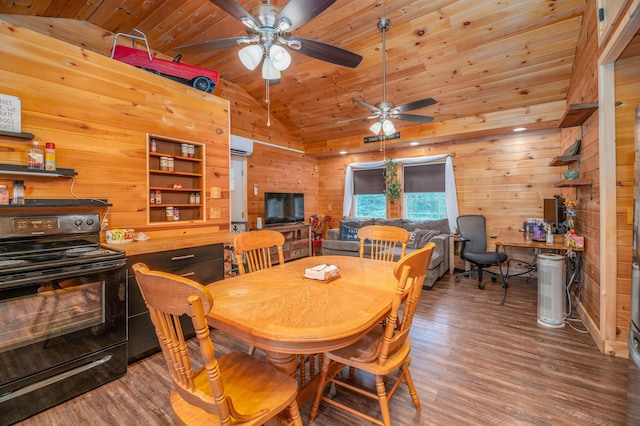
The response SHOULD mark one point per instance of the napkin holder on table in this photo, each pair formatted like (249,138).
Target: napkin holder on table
(322,272)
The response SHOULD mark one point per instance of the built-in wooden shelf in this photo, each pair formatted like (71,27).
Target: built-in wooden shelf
(577,114)
(21,135)
(563,160)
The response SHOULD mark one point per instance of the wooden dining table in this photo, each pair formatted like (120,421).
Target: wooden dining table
(286,314)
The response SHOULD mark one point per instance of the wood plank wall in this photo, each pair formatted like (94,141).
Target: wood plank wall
(627,98)
(98,111)
(506,179)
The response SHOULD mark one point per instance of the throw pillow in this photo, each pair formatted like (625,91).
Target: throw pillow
(348,233)
(420,237)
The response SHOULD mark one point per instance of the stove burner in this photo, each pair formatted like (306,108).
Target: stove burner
(12,262)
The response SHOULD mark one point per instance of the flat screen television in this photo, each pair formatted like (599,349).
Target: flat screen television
(554,212)
(283,207)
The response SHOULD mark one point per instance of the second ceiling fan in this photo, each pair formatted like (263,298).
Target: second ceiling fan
(384,111)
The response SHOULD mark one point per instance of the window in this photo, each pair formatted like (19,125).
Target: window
(368,190)
(424,191)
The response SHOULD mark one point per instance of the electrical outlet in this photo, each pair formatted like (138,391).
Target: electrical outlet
(329,207)
(215,192)
(214,212)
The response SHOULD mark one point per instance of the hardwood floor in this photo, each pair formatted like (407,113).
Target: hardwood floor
(474,363)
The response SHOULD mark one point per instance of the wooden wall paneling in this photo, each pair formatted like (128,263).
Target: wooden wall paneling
(279,170)
(627,96)
(507,191)
(98,112)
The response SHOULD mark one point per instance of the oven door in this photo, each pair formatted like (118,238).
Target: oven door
(60,335)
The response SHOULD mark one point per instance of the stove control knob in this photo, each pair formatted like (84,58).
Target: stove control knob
(90,221)
(77,222)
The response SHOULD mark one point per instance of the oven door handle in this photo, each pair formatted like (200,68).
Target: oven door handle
(63,273)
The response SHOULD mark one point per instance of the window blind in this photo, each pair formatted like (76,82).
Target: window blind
(424,178)
(369,181)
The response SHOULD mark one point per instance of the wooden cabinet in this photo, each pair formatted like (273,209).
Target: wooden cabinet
(176,180)
(297,240)
(203,264)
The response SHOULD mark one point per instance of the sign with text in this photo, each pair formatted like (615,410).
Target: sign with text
(378,138)
(10,114)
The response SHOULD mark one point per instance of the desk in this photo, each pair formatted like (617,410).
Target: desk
(512,238)
(280,311)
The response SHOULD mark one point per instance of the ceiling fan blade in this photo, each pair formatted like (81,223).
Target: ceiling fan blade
(374,109)
(299,12)
(367,117)
(415,105)
(205,46)
(233,8)
(327,52)
(413,117)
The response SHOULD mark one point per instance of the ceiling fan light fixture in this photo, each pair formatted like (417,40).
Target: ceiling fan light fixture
(387,127)
(249,23)
(284,24)
(269,72)
(376,127)
(280,58)
(251,56)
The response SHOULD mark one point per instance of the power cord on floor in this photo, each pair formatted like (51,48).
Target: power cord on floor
(568,318)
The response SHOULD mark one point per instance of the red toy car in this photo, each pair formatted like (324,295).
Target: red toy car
(199,78)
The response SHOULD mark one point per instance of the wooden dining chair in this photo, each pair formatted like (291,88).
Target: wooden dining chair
(385,349)
(383,240)
(254,249)
(235,389)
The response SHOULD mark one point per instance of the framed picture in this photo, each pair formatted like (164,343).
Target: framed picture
(237,227)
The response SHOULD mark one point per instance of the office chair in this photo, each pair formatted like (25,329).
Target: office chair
(473,236)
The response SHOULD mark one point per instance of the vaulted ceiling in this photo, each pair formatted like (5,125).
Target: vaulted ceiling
(473,57)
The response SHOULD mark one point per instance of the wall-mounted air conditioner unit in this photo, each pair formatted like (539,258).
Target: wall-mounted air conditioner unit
(241,146)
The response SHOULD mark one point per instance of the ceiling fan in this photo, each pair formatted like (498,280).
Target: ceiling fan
(384,111)
(269,29)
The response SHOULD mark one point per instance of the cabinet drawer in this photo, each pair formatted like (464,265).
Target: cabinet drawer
(203,273)
(166,260)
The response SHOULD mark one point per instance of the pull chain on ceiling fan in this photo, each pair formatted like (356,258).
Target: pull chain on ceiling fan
(385,111)
(269,29)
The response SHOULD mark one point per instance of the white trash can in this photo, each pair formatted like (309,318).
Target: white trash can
(551,293)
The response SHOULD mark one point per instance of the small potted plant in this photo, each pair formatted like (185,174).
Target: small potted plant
(392,185)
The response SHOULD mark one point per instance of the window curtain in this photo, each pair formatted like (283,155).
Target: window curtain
(450,183)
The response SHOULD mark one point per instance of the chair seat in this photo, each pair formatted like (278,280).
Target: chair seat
(365,348)
(250,383)
(486,259)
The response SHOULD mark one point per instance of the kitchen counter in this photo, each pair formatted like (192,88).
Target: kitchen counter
(164,242)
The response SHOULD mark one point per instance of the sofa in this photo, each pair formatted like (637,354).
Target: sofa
(344,241)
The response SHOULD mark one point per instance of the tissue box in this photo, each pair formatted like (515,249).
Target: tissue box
(576,241)
(322,272)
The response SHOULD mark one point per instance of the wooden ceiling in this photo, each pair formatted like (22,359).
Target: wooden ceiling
(474,57)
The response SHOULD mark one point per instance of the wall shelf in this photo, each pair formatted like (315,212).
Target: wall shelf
(577,114)
(21,135)
(564,160)
(17,170)
(575,183)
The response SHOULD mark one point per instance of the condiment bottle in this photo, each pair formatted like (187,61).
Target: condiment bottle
(18,192)
(549,236)
(35,157)
(50,156)
(4,194)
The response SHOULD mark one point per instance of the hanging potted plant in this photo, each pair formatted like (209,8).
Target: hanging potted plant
(392,186)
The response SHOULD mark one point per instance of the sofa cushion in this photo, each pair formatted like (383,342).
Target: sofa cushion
(420,237)
(348,233)
(357,222)
(390,222)
(440,225)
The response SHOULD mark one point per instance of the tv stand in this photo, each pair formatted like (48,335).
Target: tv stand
(297,239)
